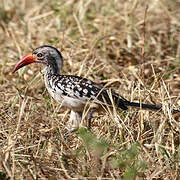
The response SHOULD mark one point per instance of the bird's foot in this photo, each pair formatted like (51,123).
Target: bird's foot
(70,131)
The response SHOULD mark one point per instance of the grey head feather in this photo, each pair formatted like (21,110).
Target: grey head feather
(51,55)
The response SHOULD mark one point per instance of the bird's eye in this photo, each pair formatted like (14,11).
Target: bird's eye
(39,55)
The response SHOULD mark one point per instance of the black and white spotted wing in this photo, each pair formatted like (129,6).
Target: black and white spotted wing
(85,90)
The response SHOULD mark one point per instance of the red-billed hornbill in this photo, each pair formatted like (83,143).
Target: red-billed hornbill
(75,92)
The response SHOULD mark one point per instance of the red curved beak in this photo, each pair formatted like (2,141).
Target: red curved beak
(28,59)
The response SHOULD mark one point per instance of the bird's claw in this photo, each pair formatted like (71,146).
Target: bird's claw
(70,131)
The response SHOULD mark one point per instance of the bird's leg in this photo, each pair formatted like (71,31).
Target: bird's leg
(76,118)
(89,117)
(74,121)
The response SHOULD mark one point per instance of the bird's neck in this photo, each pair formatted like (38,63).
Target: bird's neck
(52,70)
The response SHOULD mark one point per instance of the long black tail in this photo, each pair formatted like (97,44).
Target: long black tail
(152,107)
(123,103)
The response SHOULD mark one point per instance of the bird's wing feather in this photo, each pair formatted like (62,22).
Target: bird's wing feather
(85,90)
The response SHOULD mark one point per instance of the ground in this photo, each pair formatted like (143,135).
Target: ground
(107,42)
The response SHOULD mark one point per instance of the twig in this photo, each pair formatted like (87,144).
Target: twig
(143,42)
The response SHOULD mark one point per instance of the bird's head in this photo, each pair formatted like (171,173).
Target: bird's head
(47,55)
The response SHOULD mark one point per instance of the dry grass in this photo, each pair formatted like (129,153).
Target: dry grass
(101,40)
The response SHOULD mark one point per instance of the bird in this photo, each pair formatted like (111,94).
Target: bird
(75,92)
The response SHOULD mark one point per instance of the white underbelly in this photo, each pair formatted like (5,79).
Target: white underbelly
(66,101)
